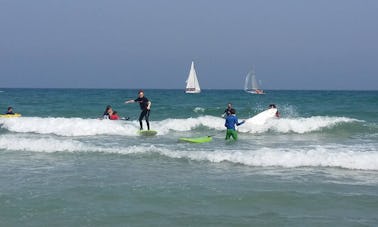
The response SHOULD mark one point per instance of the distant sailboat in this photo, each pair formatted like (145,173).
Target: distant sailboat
(192,84)
(251,85)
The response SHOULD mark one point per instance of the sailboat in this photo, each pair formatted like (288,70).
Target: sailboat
(251,85)
(192,84)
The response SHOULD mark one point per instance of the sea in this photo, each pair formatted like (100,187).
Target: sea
(62,165)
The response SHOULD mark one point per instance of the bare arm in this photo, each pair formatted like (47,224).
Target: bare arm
(129,101)
(149,105)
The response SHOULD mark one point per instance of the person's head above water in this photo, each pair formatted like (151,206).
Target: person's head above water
(141,93)
(10,108)
(229,105)
(272,106)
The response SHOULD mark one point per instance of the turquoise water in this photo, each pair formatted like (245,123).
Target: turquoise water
(315,166)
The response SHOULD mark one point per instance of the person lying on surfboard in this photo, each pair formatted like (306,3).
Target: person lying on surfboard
(10,111)
(231,121)
(145,106)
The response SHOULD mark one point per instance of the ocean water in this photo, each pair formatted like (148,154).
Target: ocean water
(315,166)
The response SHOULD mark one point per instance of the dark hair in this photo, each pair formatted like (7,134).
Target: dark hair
(114,112)
(9,107)
(233,111)
(272,106)
(140,90)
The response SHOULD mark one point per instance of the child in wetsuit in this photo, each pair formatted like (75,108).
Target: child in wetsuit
(231,121)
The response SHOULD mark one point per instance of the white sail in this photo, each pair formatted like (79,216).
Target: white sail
(192,84)
(251,85)
(255,85)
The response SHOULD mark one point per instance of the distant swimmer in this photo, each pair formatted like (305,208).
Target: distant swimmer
(273,106)
(231,121)
(227,111)
(10,111)
(145,106)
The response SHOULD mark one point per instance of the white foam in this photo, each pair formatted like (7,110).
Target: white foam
(344,157)
(362,157)
(89,127)
(51,145)
(69,126)
(296,125)
(199,110)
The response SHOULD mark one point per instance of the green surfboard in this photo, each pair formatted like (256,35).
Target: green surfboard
(147,132)
(203,139)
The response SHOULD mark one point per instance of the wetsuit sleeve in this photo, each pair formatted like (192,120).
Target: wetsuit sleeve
(238,123)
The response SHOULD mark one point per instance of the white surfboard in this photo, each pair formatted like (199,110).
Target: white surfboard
(262,117)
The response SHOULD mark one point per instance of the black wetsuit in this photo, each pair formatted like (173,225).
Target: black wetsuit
(227,112)
(143,102)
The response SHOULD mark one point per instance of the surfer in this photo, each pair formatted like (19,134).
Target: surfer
(273,106)
(10,111)
(231,121)
(145,106)
(227,111)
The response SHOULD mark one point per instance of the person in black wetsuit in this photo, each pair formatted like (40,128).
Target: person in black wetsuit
(10,111)
(227,111)
(105,115)
(145,106)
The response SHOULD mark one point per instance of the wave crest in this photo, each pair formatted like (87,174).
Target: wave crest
(89,127)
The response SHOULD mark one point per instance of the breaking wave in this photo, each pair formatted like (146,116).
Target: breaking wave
(89,127)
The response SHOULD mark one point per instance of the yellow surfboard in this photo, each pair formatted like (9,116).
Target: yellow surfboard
(10,115)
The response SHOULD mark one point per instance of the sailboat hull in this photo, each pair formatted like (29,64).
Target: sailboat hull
(255,92)
(192,91)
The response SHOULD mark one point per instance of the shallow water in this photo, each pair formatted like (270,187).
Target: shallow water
(316,165)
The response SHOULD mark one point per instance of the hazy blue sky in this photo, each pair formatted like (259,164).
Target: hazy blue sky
(325,44)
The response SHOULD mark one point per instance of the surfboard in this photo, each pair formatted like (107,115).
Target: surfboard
(147,132)
(262,117)
(10,115)
(203,139)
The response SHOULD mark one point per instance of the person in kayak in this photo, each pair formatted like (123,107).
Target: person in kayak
(231,121)
(145,106)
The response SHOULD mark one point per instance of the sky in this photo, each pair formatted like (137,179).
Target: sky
(291,44)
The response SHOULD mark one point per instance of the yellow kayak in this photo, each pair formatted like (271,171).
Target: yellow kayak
(10,115)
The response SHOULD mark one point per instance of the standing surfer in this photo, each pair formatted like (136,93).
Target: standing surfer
(145,106)
(231,121)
